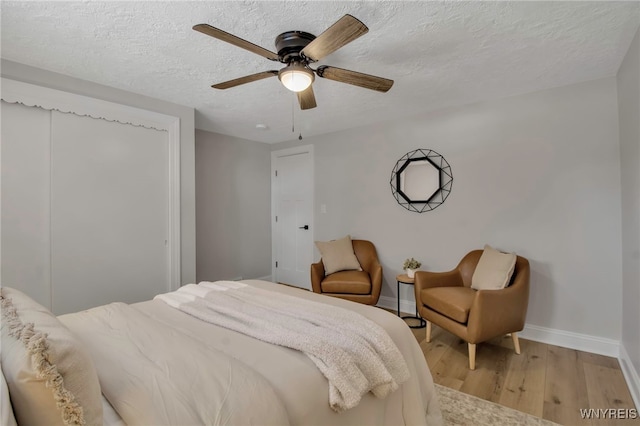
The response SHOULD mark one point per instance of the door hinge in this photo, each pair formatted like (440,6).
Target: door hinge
(276,218)
(276,173)
(276,264)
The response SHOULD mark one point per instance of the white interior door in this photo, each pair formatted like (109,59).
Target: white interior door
(292,201)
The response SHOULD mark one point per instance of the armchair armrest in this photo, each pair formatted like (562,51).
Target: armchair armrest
(375,273)
(497,312)
(317,275)
(425,279)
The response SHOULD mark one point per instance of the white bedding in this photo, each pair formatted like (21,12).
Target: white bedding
(295,382)
(110,416)
(355,354)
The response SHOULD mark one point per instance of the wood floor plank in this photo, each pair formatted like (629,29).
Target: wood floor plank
(454,361)
(450,382)
(606,389)
(486,381)
(565,387)
(438,347)
(605,361)
(524,384)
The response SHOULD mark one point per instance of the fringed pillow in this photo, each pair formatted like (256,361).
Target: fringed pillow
(7,418)
(50,375)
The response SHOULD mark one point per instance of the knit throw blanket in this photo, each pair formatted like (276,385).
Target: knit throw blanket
(355,354)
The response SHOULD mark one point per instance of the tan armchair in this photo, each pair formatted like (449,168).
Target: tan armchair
(447,300)
(358,286)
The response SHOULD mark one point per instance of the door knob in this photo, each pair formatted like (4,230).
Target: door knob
(304,227)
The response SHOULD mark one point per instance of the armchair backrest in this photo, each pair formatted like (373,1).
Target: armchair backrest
(467,266)
(366,253)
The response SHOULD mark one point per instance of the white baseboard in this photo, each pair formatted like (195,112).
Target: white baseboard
(631,375)
(265,278)
(568,339)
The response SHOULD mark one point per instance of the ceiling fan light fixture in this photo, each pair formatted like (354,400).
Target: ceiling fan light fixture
(296,77)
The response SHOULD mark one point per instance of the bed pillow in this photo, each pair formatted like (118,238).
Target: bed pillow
(338,255)
(50,375)
(494,270)
(6,410)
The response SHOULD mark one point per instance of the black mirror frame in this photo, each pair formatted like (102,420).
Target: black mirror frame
(438,197)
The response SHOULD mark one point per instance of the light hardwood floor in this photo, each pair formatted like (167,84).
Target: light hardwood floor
(547,381)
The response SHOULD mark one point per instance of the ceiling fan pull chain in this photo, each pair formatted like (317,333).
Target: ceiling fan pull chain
(293,118)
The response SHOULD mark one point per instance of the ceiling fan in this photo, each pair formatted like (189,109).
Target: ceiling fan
(298,50)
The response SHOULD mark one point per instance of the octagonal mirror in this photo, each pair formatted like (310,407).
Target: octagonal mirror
(421,180)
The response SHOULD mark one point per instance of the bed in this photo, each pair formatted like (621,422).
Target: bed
(155,364)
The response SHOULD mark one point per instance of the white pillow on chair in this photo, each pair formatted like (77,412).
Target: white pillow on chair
(338,255)
(494,270)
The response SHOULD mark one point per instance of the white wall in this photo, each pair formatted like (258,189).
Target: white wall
(53,80)
(536,174)
(233,207)
(629,113)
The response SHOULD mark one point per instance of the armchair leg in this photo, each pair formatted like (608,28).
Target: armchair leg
(516,342)
(472,356)
(428,331)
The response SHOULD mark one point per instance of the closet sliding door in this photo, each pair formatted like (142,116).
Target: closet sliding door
(109,212)
(25,171)
(90,199)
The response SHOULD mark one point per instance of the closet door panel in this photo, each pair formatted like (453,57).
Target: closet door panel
(25,200)
(109,212)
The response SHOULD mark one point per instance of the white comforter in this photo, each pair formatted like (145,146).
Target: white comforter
(158,376)
(172,370)
(355,354)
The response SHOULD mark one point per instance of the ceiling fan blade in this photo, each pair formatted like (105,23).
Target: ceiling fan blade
(245,79)
(236,41)
(356,78)
(344,31)
(307,99)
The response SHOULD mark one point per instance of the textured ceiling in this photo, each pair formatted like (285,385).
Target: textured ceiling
(440,54)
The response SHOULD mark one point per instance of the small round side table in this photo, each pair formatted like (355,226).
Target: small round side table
(404,279)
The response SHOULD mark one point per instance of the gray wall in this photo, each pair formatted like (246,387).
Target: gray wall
(629,112)
(537,174)
(233,207)
(57,81)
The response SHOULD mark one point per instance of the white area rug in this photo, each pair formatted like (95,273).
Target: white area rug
(465,410)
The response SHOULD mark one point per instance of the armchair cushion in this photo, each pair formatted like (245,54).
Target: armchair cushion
(452,302)
(338,255)
(494,270)
(347,282)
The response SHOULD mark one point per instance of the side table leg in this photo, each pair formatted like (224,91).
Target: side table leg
(422,320)
(398,293)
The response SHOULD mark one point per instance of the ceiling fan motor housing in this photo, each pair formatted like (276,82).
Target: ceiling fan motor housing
(290,43)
